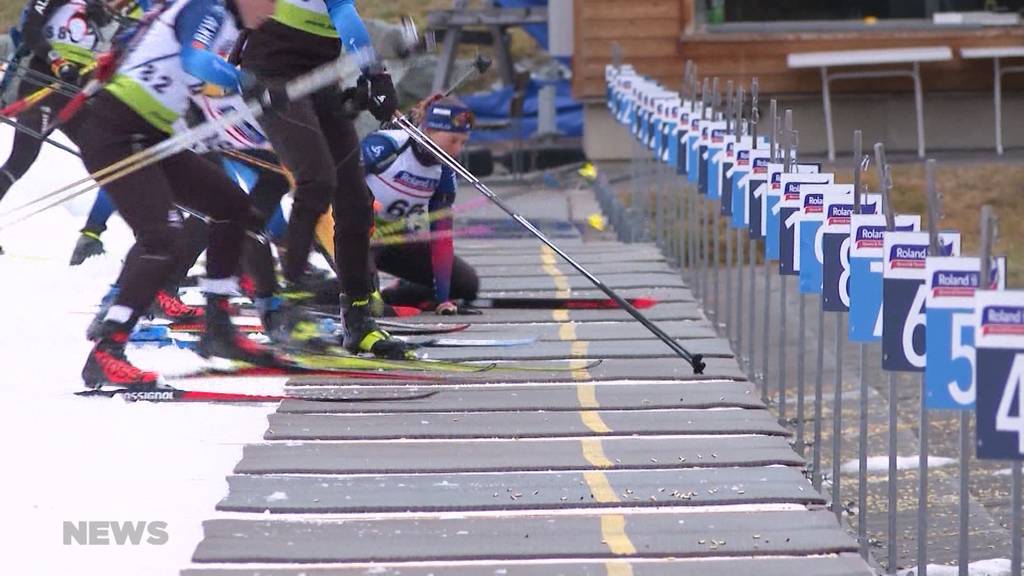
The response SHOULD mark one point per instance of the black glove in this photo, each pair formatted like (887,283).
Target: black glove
(96,12)
(64,70)
(353,100)
(383,100)
(270,97)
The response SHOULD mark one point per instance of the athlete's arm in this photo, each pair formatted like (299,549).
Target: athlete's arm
(33,26)
(442,246)
(196,27)
(351,30)
(378,153)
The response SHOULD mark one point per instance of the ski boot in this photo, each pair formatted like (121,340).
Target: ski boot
(289,326)
(107,364)
(223,340)
(361,333)
(169,307)
(88,245)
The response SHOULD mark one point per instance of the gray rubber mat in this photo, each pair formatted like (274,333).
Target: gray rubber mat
(434,425)
(709,347)
(485,271)
(534,258)
(668,311)
(578,282)
(552,331)
(521,455)
(661,294)
(674,369)
(513,491)
(831,565)
(653,535)
(503,397)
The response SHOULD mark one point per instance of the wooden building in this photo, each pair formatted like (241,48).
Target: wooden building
(658,36)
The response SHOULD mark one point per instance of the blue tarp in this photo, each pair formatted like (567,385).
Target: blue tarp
(493,106)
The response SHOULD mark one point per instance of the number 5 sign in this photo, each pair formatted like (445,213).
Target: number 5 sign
(999,325)
(903,297)
(949,333)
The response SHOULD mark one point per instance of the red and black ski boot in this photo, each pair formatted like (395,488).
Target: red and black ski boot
(107,364)
(170,307)
(223,340)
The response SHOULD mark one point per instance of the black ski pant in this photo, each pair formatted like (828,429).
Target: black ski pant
(411,262)
(318,143)
(146,199)
(25,148)
(257,258)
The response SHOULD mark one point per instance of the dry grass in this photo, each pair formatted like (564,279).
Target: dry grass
(9,10)
(965,189)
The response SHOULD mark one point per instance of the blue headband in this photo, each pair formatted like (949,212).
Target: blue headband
(449,118)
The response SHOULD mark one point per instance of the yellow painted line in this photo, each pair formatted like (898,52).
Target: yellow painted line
(594,453)
(618,568)
(599,487)
(613,531)
(567,332)
(593,421)
(560,315)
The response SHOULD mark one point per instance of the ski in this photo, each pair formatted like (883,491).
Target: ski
(537,366)
(241,370)
(560,303)
(178,395)
(396,328)
(336,357)
(472,343)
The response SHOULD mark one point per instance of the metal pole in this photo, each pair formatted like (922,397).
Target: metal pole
(716,99)
(892,500)
(755,115)
(862,458)
(702,205)
(801,362)
(837,419)
(738,109)
(729,127)
(819,392)
(787,131)
(1015,520)
(767,275)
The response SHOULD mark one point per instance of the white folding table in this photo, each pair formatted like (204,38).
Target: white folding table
(997,54)
(884,57)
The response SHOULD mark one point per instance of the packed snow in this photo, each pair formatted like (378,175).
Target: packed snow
(992,567)
(881,463)
(71,459)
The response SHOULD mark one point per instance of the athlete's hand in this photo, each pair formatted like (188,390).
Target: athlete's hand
(62,69)
(270,97)
(383,100)
(447,308)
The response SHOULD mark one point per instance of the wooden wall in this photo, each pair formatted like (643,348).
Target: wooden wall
(647,30)
(657,38)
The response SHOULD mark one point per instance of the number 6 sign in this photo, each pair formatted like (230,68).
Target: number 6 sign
(999,338)
(903,297)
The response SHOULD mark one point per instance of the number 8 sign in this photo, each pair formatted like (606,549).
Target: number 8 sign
(999,339)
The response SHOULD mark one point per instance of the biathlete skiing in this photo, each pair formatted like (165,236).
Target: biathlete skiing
(317,142)
(150,91)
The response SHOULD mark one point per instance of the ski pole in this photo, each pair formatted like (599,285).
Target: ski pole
(298,88)
(20,106)
(696,361)
(38,135)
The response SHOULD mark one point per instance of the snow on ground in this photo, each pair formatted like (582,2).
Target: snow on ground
(992,567)
(881,463)
(75,459)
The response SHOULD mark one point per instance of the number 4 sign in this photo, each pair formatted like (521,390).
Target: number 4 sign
(949,330)
(999,325)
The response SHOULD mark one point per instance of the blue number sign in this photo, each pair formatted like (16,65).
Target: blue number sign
(867,232)
(999,338)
